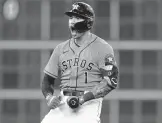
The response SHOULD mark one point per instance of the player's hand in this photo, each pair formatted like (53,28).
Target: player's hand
(53,101)
(73,102)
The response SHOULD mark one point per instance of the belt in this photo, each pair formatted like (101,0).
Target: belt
(72,93)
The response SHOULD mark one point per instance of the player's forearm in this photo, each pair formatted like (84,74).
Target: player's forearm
(47,85)
(109,83)
(100,90)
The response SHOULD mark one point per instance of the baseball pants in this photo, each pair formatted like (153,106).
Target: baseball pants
(89,112)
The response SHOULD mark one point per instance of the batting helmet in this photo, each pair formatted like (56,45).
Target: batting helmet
(85,11)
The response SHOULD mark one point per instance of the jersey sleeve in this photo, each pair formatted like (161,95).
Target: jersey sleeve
(108,67)
(52,66)
(106,56)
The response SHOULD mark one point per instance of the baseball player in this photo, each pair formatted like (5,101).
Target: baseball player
(88,72)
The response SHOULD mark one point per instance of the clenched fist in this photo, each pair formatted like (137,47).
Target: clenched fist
(53,101)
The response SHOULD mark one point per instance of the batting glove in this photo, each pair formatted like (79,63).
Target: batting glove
(53,101)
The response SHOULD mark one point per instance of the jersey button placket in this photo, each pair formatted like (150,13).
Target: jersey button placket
(77,55)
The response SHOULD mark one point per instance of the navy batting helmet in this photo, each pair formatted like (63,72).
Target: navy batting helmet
(85,11)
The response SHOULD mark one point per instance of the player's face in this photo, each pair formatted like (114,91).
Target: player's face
(72,21)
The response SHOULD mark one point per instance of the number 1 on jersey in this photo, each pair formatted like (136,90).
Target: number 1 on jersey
(86,77)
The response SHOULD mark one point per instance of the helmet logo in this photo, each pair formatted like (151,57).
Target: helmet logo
(75,6)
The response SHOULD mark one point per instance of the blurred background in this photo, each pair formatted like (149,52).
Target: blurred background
(30,30)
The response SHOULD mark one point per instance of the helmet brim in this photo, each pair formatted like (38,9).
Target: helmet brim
(70,14)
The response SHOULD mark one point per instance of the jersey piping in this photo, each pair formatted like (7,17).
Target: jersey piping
(79,57)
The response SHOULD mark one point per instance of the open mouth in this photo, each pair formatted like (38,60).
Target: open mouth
(72,28)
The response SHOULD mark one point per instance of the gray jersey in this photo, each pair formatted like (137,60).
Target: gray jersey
(79,66)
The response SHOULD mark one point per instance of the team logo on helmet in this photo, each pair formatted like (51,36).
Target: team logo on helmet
(75,6)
